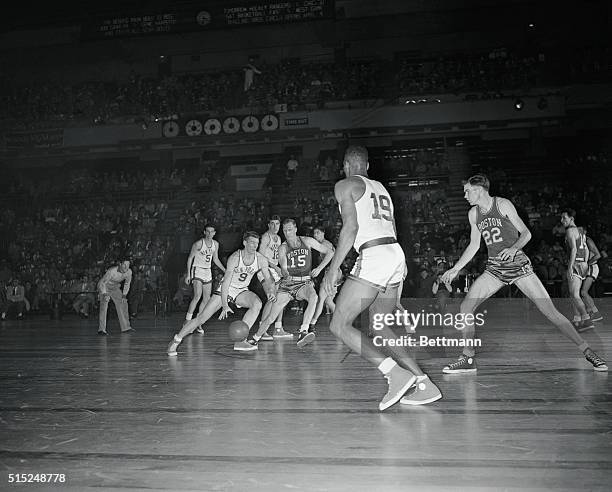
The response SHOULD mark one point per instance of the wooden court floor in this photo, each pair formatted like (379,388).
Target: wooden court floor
(117,413)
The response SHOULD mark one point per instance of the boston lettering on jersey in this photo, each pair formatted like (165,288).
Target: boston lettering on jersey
(496,229)
(299,260)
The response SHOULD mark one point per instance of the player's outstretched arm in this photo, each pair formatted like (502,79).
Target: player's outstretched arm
(232,263)
(194,249)
(507,208)
(267,278)
(469,253)
(594,251)
(216,257)
(321,248)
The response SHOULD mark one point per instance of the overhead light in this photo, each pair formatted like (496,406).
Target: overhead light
(518,104)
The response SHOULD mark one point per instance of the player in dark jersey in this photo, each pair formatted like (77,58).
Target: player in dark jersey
(295,258)
(495,220)
(577,267)
(591,276)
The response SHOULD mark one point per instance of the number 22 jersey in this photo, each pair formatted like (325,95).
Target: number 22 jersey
(496,229)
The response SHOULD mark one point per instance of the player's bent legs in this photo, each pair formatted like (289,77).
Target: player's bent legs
(282,299)
(252,302)
(483,287)
(574,282)
(589,303)
(320,303)
(385,303)
(197,294)
(308,293)
(212,306)
(532,287)
(354,298)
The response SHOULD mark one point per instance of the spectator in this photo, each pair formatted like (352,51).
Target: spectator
(15,297)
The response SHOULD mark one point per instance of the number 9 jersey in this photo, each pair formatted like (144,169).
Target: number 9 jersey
(374,213)
(496,229)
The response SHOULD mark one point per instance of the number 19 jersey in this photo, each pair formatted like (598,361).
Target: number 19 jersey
(374,213)
(496,229)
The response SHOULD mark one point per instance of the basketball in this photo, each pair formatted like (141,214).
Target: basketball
(238,330)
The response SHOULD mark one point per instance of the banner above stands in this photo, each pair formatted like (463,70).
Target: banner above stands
(205,17)
(445,116)
(408,115)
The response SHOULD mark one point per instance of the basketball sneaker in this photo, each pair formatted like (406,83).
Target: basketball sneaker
(596,316)
(266,337)
(305,337)
(246,345)
(585,324)
(399,381)
(173,345)
(463,364)
(102,332)
(598,363)
(200,330)
(281,333)
(423,392)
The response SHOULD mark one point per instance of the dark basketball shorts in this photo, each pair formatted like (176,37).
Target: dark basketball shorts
(593,271)
(509,272)
(580,269)
(292,286)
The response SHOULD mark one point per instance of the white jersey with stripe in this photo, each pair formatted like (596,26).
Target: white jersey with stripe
(271,249)
(374,213)
(244,273)
(204,256)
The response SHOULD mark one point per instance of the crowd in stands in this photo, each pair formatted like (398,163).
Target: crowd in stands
(299,85)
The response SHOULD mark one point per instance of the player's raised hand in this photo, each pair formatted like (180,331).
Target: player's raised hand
(315,272)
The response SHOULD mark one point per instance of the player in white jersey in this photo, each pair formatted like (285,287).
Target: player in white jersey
(268,246)
(324,299)
(241,266)
(203,253)
(368,225)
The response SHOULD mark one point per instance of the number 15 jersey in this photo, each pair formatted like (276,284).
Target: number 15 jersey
(496,229)
(374,213)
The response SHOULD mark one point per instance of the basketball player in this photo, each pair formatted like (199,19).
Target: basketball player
(199,269)
(505,234)
(270,242)
(109,287)
(295,257)
(577,267)
(592,274)
(368,225)
(324,299)
(241,266)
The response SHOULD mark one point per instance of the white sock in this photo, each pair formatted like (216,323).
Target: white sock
(177,338)
(304,327)
(421,378)
(577,318)
(278,324)
(188,316)
(387,365)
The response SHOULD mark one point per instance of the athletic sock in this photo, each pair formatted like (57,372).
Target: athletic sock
(304,327)
(585,317)
(577,318)
(189,316)
(387,365)
(584,347)
(278,324)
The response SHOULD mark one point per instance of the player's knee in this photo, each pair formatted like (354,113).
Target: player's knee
(256,304)
(467,307)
